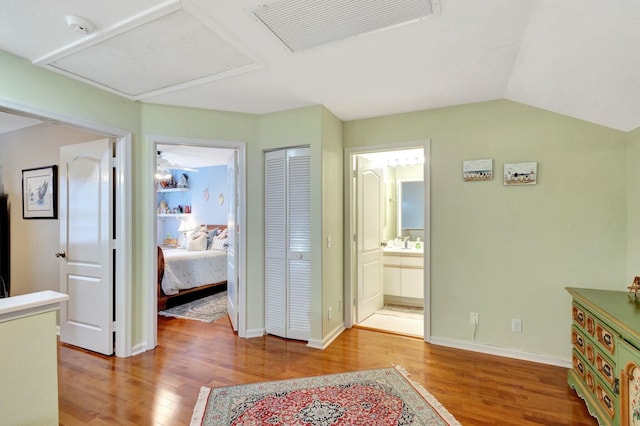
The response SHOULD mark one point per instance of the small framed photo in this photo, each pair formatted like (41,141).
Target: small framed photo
(520,173)
(475,170)
(40,193)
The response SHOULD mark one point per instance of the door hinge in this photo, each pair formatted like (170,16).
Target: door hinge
(355,238)
(114,162)
(113,327)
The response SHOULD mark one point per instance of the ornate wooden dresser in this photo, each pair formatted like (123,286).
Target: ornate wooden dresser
(605,335)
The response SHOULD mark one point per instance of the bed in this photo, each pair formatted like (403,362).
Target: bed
(182,271)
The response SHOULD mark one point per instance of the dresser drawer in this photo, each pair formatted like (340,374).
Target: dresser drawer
(605,338)
(606,399)
(578,366)
(579,316)
(578,341)
(606,369)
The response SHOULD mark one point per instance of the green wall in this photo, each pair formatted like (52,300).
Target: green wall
(508,252)
(505,252)
(332,291)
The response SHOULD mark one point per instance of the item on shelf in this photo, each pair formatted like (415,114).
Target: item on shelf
(183,182)
(163,208)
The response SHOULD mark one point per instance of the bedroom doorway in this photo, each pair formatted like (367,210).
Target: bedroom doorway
(198,227)
(387,269)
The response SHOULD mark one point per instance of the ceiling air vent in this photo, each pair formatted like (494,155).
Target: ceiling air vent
(305,24)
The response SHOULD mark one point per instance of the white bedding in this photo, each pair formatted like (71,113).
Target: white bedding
(185,269)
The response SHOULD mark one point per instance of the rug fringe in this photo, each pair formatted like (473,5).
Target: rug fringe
(440,409)
(201,405)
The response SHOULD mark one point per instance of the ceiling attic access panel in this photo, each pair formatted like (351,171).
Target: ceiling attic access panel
(305,24)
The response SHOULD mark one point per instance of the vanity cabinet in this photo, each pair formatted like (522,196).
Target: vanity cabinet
(605,339)
(403,274)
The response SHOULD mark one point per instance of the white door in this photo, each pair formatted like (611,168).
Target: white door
(369,190)
(299,243)
(288,243)
(232,231)
(275,242)
(86,233)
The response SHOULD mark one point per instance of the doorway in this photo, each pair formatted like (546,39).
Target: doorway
(120,206)
(200,191)
(403,244)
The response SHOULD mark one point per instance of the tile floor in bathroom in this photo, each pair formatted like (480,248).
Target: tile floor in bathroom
(397,319)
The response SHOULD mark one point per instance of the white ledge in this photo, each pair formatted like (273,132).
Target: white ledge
(29,304)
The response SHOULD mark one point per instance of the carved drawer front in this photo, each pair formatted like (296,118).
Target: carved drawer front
(605,338)
(590,381)
(591,353)
(578,365)
(591,325)
(606,400)
(606,369)
(578,315)
(578,341)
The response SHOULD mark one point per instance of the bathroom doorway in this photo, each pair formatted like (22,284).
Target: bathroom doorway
(387,273)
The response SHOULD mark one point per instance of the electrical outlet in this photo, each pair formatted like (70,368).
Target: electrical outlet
(330,313)
(474,319)
(516,325)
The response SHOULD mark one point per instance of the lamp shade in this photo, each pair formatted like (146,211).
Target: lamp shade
(184,225)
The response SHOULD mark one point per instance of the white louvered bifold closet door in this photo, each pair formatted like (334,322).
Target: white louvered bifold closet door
(299,218)
(287,243)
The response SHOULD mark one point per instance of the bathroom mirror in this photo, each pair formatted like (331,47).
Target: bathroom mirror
(411,208)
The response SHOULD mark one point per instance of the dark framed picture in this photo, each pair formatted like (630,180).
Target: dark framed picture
(40,193)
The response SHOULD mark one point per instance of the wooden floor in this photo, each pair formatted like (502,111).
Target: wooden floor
(160,387)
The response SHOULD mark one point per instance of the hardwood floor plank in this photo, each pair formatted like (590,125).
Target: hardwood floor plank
(160,387)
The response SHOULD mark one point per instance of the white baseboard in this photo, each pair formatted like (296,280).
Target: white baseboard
(254,332)
(500,351)
(324,343)
(139,348)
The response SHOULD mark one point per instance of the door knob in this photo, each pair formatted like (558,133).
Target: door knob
(61,254)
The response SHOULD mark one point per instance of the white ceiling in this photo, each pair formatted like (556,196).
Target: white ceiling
(575,57)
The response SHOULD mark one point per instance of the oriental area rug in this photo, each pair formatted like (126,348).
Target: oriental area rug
(207,309)
(383,396)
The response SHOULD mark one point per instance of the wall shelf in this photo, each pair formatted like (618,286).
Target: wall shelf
(174,214)
(173,189)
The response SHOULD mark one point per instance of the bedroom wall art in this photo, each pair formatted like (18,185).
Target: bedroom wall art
(477,170)
(40,193)
(520,173)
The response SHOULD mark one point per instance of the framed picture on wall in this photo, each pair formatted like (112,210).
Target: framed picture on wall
(40,193)
(520,173)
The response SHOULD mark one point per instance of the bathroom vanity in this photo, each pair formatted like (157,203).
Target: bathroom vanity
(403,275)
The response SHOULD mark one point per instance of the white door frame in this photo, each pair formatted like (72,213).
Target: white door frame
(350,281)
(152,285)
(122,197)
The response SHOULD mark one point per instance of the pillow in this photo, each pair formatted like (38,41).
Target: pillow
(219,244)
(211,235)
(222,234)
(197,242)
(185,239)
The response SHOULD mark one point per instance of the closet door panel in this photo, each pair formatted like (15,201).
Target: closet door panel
(299,300)
(275,244)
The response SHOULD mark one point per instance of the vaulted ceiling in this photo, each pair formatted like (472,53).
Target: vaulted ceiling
(575,57)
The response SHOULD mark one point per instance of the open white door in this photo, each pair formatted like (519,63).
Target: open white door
(232,231)
(369,188)
(86,233)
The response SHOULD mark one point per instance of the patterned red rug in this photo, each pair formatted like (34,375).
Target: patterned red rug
(372,397)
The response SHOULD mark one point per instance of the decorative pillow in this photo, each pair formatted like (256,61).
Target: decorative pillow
(185,239)
(197,242)
(219,244)
(222,234)
(211,235)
